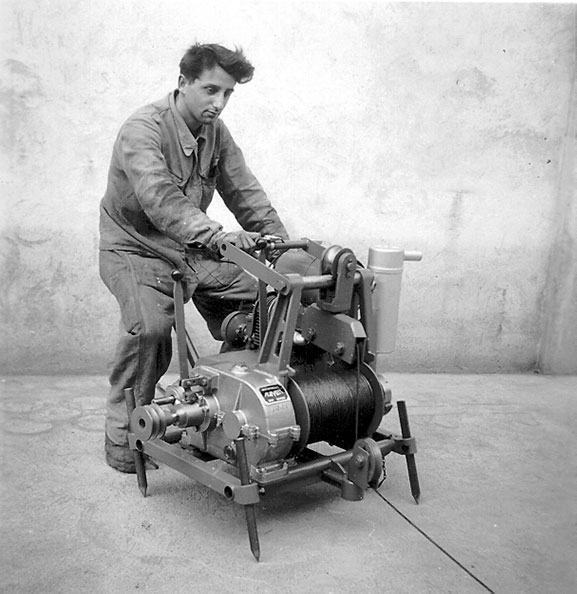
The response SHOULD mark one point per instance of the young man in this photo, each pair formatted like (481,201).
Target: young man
(167,161)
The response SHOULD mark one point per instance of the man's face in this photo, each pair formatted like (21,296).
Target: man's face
(202,100)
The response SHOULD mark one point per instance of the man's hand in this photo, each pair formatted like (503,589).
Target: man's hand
(244,240)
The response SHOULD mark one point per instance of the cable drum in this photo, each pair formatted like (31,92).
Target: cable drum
(326,408)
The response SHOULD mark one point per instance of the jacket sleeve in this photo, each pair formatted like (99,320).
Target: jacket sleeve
(139,150)
(242,193)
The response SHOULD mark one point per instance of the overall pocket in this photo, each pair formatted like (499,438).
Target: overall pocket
(207,187)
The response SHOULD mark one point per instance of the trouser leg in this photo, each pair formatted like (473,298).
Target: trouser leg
(141,359)
(143,288)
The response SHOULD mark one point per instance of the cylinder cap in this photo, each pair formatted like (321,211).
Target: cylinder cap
(385,258)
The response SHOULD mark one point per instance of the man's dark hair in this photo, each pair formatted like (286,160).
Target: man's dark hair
(200,57)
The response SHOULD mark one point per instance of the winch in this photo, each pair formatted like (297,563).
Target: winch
(298,370)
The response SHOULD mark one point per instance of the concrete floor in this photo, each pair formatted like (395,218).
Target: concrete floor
(498,473)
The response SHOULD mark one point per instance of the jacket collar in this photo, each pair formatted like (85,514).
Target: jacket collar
(187,140)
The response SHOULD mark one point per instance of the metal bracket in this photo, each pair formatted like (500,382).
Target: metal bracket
(405,446)
(337,334)
(365,468)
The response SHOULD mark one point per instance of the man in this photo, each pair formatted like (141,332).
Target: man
(167,161)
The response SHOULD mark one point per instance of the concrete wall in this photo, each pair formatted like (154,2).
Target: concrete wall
(437,127)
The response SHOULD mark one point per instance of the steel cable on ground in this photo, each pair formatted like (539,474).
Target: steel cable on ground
(432,541)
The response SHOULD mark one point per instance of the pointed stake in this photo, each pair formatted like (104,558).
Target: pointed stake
(249,510)
(413,477)
(252,530)
(138,456)
(140,472)
(411,463)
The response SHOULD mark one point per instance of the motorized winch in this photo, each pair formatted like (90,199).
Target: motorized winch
(297,370)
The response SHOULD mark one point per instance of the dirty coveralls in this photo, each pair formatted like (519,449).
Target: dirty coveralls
(153,220)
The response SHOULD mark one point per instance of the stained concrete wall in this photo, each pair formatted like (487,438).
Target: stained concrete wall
(437,127)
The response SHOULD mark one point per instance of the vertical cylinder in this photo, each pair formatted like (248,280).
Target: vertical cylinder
(387,265)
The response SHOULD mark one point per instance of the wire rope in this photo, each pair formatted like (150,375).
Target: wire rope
(432,541)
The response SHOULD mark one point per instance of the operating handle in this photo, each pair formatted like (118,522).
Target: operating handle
(273,242)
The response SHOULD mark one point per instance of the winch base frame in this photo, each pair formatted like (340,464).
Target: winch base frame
(310,467)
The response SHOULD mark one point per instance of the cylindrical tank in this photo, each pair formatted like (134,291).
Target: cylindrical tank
(387,265)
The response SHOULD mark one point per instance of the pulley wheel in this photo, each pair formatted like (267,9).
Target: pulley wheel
(233,329)
(366,465)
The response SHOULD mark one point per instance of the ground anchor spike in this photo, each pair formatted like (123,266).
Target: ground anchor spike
(411,463)
(249,509)
(138,455)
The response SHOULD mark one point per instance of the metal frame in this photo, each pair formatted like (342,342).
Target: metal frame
(220,476)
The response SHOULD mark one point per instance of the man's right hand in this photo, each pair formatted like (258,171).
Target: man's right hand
(244,240)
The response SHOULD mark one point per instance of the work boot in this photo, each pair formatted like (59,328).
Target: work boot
(121,458)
